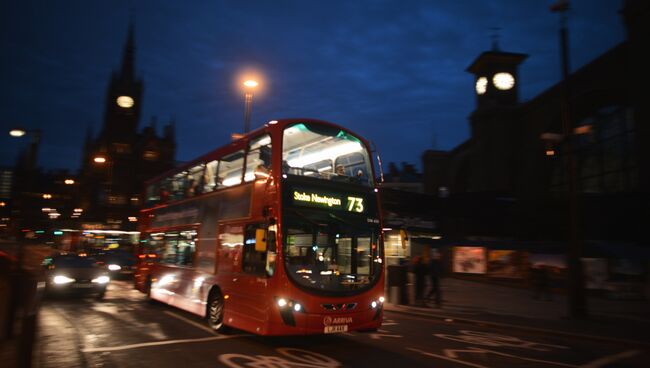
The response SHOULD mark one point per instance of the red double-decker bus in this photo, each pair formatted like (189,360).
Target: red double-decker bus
(277,233)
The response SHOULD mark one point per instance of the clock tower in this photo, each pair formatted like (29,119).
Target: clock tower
(123,97)
(118,161)
(495,123)
(496,78)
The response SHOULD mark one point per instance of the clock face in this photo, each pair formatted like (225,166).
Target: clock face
(481,85)
(125,102)
(503,81)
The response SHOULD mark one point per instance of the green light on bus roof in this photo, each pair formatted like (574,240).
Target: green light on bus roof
(40,231)
(58,232)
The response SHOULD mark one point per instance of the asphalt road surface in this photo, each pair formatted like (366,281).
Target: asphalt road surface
(124,330)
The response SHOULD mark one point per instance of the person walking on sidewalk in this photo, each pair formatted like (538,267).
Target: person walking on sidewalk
(421,270)
(434,279)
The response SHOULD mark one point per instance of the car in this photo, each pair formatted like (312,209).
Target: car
(118,262)
(71,273)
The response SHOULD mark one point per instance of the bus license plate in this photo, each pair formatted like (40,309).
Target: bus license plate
(82,286)
(336,328)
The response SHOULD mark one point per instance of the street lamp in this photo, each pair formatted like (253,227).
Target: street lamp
(33,149)
(101,160)
(249,86)
(577,303)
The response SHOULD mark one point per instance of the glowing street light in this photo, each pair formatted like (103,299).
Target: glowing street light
(250,84)
(68,181)
(99,159)
(17,132)
(36,139)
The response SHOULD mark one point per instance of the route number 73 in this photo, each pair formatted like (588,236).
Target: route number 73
(355,204)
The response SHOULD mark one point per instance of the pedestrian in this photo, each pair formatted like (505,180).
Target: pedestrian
(421,269)
(434,279)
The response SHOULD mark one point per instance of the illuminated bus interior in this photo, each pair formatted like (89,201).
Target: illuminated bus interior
(325,152)
(331,253)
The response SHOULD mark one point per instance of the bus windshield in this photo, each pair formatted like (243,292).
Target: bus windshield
(331,253)
(325,152)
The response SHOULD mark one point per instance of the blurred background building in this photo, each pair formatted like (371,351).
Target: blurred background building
(505,188)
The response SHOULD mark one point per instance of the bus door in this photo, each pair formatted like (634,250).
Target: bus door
(254,277)
(242,274)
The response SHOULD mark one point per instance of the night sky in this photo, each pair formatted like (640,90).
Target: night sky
(391,71)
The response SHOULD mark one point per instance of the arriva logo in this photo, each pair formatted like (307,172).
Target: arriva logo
(341,320)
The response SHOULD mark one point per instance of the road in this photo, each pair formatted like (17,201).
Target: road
(124,330)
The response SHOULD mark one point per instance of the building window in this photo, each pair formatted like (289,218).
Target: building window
(604,154)
(150,155)
(121,148)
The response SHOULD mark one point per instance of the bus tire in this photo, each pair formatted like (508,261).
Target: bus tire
(215,312)
(100,295)
(147,291)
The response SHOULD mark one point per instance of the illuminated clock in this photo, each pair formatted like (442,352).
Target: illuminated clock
(481,85)
(125,102)
(503,81)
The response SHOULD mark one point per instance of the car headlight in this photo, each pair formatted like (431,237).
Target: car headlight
(60,279)
(114,267)
(101,280)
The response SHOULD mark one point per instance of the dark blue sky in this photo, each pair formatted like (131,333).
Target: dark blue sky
(392,71)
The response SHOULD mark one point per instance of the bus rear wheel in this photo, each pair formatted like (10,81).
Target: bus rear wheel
(215,312)
(147,290)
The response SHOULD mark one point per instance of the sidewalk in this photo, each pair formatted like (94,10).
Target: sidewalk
(489,304)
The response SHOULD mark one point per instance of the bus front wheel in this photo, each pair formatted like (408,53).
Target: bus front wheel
(215,312)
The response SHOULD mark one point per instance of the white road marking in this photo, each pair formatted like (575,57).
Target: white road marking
(601,362)
(158,343)
(189,321)
(495,340)
(447,358)
(481,350)
(296,358)
(377,336)
(451,355)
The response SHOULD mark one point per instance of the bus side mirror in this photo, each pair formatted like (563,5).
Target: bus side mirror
(270,241)
(260,240)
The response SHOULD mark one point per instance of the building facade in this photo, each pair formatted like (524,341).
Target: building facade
(116,163)
(516,158)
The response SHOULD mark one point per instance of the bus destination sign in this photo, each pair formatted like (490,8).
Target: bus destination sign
(334,201)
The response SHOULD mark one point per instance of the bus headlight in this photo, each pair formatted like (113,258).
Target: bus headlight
(282,302)
(101,280)
(114,267)
(377,303)
(60,280)
(288,305)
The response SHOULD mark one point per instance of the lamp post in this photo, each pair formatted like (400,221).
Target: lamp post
(26,180)
(577,304)
(249,86)
(33,149)
(104,160)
